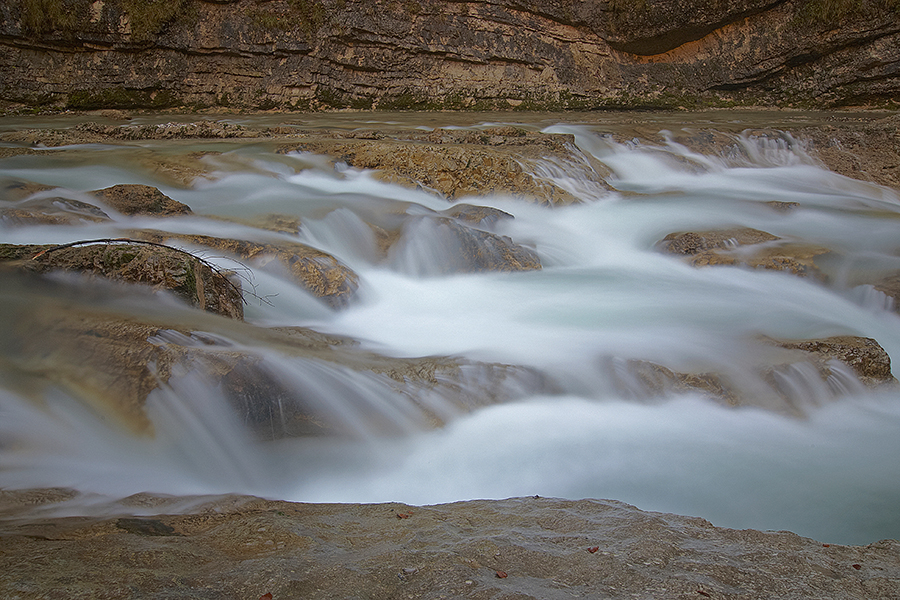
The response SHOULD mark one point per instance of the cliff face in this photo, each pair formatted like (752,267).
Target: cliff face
(477,54)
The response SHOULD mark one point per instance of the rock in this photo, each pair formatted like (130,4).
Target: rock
(245,547)
(438,246)
(457,165)
(320,273)
(186,276)
(477,216)
(890,287)
(52,211)
(133,199)
(507,54)
(657,26)
(744,246)
(869,361)
(65,336)
(786,382)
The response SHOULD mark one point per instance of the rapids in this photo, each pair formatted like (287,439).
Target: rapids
(605,295)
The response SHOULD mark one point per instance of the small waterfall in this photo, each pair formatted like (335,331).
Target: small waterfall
(601,368)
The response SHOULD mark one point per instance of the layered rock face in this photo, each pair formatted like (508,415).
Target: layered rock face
(426,54)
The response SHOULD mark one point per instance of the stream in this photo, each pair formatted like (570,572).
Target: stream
(606,295)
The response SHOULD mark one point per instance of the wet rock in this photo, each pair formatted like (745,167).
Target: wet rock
(810,373)
(458,164)
(133,199)
(320,273)
(890,287)
(477,216)
(244,547)
(52,211)
(869,361)
(159,267)
(747,247)
(80,340)
(435,246)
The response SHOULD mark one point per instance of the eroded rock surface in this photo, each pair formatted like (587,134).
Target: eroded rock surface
(159,267)
(133,199)
(243,547)
(745,246)
(96,348)
(458,163)
(320,273)
(427,54)
(786,376)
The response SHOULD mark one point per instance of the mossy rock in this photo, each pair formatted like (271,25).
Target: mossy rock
(159,267)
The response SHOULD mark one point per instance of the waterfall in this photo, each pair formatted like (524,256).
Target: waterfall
(560,381)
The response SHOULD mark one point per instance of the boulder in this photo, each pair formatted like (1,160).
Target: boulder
(130,261)
(133,199)
(455,164)
(322,274)
(747,247)
(787,376)
(890,287)
(60,335)
(440,246)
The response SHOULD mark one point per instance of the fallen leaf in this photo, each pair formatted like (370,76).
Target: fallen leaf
(593,549)
(266,596)
(404,515)
(857,567)
(501,574)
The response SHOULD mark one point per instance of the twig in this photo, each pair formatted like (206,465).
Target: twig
(202,261)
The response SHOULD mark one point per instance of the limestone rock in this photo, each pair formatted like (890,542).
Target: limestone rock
(436,246)
(65,337)
(744,246)
(869,361)
(426,54)
(160,267)
(52,211)
(322,274)
(787,382)
(890,286)
(133,199)
(457,164)
(649,27)
(244,547)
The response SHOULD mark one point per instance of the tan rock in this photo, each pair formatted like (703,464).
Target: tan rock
(527,548)
(322,274)
(745,246)
(133,199)
(159,267)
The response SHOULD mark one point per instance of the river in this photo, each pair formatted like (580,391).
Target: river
(605,296)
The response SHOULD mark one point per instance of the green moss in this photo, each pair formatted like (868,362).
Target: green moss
(149,17)
(833,12)
(49,16)
(120,97)
(306,16)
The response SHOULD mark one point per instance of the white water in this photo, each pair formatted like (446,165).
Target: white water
(605,295)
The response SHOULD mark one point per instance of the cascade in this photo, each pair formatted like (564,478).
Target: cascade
(561,381)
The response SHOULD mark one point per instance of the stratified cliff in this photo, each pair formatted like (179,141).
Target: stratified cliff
(429,54)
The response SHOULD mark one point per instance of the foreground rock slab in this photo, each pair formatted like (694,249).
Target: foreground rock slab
(247,548)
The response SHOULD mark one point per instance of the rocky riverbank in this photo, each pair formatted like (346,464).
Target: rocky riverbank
(247,548)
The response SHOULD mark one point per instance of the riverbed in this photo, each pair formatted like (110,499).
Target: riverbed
(819,461)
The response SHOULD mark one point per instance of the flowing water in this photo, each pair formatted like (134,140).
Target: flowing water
(604,297)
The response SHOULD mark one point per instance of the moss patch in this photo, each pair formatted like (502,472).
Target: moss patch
(120,97)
